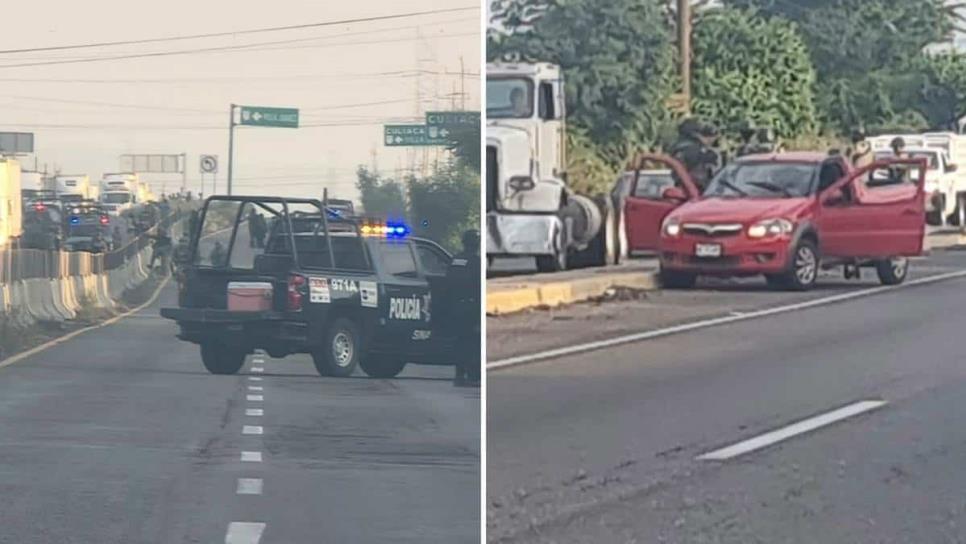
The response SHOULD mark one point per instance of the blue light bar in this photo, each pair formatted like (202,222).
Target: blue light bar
(74,220)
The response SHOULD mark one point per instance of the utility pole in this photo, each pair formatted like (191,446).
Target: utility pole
(684,50)
(231,142)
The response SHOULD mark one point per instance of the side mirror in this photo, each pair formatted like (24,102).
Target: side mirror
(952,167)
(521,183)
(676,194)
(835,197)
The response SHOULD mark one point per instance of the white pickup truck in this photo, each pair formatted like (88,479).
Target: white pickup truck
(945,180)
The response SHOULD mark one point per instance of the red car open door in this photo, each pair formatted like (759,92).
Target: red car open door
(650,200)
(877,211)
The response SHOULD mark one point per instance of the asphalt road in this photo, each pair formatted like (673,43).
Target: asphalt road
(603,446)
(120,436)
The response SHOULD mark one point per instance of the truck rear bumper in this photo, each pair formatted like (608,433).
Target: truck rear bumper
(520,234)
(270,331)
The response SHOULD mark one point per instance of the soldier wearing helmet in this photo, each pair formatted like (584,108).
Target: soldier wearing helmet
(694,149)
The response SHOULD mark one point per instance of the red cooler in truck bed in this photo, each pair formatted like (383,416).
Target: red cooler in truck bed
(249,296)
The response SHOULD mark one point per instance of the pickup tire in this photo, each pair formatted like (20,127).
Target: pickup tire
(220,359)
(892,271)
(382,366)
(338,355)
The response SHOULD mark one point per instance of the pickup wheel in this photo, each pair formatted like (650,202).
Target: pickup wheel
(220,359)
(892,271)
(382,366)
(803,267)
(339,353)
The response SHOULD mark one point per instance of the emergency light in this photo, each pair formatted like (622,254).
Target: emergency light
(389,230)
(40,207)
(74,220)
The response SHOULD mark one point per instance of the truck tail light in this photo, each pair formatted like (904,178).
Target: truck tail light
(296,284)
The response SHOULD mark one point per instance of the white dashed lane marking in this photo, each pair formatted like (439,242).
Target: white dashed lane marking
(249,486)
(244,532)
(254,388)
(258,369)
(255,398)
(778,435)
(251,456)
(252,429)
(254,412)
(255,378)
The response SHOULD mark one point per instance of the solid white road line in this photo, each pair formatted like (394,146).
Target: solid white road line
(244,532)
(255,388)
(251,456)
(657,333)
(255,378)
(255,398)
(778,435)
(258,369)
(249,486)
(252,429)
(254,412)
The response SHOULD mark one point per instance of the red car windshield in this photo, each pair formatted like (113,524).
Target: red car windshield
(764,180)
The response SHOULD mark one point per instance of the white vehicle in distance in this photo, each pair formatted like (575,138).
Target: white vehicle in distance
(945,182)
(73,187)
(119,192)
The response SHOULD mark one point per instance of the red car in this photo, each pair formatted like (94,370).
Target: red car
(784,216)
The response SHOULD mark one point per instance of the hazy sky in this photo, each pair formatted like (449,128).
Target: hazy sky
(353,77)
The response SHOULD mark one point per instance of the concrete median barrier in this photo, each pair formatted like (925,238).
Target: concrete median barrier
(508,296)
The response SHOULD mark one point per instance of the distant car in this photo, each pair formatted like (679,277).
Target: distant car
(88,228)
(787,216)
(43,226)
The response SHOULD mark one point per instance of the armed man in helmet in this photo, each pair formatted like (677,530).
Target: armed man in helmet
(463,280)
(694,149)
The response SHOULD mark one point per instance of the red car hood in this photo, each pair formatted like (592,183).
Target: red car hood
(739,210)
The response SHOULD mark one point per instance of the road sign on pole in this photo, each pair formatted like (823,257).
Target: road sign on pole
(415,135)
(209,164)
(453,118)
(259,116)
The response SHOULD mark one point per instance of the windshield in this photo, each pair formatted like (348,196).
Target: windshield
(763,180)
(509,98)
(117,198)
(931,157)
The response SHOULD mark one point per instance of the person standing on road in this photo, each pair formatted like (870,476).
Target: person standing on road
(162,248)
(694,150)
(463,279)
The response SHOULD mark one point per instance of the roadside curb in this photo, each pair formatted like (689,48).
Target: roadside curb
(523,297)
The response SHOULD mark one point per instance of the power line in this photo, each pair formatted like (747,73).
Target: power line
(240,32)
(343,76)
(226,48)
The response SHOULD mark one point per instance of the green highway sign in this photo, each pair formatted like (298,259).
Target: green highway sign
(415,135)
(453,118)
(269,117)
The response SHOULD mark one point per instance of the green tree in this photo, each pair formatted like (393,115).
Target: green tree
(617,57)
(445,204)
(943,88)
(379,196)
(862,51)
(754,68)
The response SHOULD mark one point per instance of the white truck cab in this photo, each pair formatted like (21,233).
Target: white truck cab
(119,192)
(530,210)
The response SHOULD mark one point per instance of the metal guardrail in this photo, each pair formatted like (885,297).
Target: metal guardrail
(23,264)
